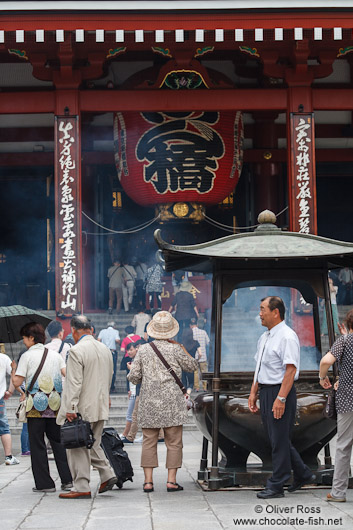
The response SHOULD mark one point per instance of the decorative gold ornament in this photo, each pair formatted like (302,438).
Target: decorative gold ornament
(180,209)
(267,155)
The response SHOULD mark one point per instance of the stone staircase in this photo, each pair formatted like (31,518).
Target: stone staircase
(117,415)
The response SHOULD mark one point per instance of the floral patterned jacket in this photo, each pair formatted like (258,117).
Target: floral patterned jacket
(162,403)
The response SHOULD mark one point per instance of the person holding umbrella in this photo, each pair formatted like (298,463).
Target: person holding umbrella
(44,368)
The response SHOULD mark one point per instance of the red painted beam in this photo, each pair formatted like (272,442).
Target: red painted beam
(46,134)
(172,21)
(152,100)
(334,155)
(107,158)
(280,155)
(149,100)
(28,134)
(26,159)
(332,99)
(27,102)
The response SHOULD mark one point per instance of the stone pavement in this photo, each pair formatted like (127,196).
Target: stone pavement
(191,509)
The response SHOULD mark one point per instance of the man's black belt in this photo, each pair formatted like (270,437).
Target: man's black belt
(261,385)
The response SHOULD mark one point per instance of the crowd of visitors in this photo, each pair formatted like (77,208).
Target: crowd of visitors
(130,281)
(58,379)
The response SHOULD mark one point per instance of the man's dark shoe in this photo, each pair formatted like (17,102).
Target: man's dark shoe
(107,485)
(297,484)
(269,494)
(75,495)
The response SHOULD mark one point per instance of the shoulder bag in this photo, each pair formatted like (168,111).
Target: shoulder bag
(113,273)
(189,401)
(330,410)
(21,412)
(77,433)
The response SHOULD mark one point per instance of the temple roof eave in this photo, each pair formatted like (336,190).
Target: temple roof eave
(286,248)
(179,5)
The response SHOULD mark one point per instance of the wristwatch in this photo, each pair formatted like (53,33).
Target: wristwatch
(282,399)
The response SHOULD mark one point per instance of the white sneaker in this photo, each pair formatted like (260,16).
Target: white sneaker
(11,461)
(138,440)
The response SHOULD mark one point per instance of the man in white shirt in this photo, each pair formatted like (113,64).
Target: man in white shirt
(5,435)
(128,285)
(115,275)
(203,339)
(111,338)
(277,367)
(56,333)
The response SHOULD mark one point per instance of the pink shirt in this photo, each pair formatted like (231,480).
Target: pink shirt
(129,338)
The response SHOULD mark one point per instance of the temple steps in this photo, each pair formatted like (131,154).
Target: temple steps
(117,414)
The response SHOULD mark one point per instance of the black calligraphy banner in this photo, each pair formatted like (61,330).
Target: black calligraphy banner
(302,174)
(68,216)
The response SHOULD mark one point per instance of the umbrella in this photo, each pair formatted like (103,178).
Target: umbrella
(14,317)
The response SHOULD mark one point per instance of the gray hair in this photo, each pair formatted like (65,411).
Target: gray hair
(79,322)
(111,324)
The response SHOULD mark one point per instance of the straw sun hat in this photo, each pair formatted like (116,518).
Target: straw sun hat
(186,286)
(162,326)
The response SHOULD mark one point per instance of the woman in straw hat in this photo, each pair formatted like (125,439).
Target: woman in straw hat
(162,403)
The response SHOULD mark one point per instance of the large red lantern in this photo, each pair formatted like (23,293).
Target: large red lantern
(164,157)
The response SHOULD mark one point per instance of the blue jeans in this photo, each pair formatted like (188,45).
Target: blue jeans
(187,378)
(25,439)
(4,424)
(130,408)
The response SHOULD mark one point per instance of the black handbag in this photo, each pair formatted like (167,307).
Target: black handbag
(189,402)
(330,410)
(77,433)
(330,407)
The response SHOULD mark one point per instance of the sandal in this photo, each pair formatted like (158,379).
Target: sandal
(179,488)
(147,490)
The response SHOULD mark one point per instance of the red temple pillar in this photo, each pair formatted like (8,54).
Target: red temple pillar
(68,245)
(267,189)
(301,161)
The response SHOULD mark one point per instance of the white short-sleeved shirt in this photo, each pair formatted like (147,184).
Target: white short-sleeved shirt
(5,368)
(45,395)
(275,349)
(108,336)
(55,345)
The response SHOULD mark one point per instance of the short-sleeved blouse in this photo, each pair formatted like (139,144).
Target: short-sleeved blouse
(45,397)
(344,397)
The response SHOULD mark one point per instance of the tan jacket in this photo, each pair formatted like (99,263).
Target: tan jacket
(89,374)
(162,403)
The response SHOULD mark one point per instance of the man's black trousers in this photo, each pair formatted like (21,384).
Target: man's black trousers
(284,456)
(40,466)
